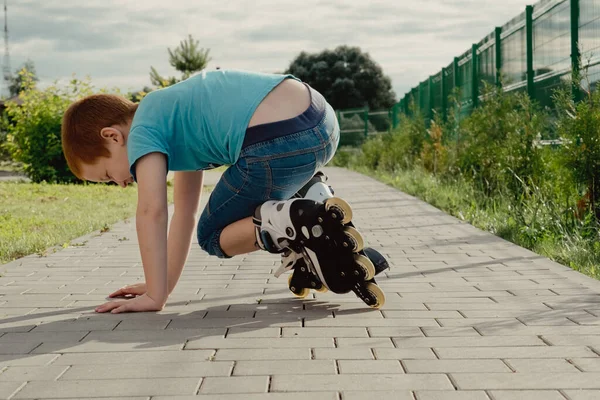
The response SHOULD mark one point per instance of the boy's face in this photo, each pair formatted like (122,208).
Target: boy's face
(114,168)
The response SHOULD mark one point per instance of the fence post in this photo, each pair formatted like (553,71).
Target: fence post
(421,98)
(444,98)
(529,33)
(475,75)
(392,116)
(575,55)
(366,121)
(499,56)
(455,75)
(430,98)
(417,98)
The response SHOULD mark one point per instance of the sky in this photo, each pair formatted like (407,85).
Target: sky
(115,42)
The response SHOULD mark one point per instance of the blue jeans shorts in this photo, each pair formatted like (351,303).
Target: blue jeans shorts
(277,160)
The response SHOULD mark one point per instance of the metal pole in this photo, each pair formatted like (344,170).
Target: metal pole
(475,75)
(455,66)
(529,33)
(430,102)
(575,55)
(444,98)
(421,97)
(366,121)
(499,57)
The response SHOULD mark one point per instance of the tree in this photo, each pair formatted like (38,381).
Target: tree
(347,77)
(137,96)
(16,82)
(187,59)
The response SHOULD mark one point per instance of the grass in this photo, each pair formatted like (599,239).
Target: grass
(532,225)
(36,217)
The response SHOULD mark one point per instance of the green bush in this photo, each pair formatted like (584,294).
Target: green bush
(498,152)
(579,126)
(355,123)
(4,153)
(399,149)
(33,134)
(414,130)
(346,156)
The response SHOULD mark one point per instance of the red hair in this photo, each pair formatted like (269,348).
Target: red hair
(82,123)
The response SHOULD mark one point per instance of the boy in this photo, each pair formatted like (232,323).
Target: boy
(275,133)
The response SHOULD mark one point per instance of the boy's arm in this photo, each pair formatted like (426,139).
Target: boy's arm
(187,192)
(151,223)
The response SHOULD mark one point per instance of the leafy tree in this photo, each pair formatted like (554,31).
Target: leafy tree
(347,77)
(187,59)
(16,82)
(137,96)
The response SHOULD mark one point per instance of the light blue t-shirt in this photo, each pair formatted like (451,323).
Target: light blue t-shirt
(199,123)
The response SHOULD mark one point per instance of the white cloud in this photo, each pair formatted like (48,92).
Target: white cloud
(116,41)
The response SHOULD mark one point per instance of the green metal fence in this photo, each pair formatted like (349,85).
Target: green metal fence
(358,124)
(535,52)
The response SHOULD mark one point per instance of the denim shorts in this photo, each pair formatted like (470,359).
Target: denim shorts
(277,160)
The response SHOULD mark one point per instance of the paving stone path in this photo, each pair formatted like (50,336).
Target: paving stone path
(468,317)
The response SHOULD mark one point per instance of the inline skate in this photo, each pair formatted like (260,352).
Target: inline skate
(314,233)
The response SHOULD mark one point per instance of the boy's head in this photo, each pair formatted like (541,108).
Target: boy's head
(94,138)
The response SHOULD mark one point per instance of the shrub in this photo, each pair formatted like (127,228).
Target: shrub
(33,132)
(499,150)
(579,126)
(434,154)
(356,124)
(4,153)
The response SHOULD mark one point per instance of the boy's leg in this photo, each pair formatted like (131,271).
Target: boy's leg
(229,203)
(239,237)
(226,227)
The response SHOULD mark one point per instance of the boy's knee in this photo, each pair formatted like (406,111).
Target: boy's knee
(209,242)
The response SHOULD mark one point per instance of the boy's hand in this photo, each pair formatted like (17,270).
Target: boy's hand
(141,303)
(134,290)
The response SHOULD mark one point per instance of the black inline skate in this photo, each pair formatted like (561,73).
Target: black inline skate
(318,241)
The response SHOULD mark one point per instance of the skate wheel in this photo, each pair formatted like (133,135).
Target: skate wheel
(322,289)
(366,265)
(358,243)
(377,295)
(342,207)
(298,292)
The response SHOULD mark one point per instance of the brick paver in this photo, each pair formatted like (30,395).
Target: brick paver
(468,316)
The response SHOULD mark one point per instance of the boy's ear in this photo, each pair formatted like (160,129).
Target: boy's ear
(112,134)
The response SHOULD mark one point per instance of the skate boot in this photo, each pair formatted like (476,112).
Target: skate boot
(318,232)
(316,189)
